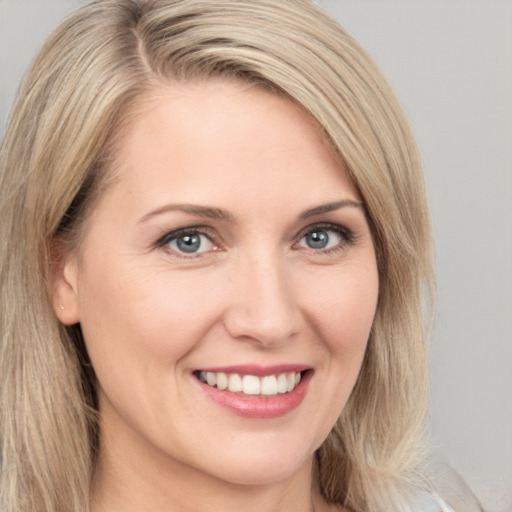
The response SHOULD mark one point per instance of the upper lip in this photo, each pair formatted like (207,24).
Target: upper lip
(257,370)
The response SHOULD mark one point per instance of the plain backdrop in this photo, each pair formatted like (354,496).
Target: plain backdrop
(450,63)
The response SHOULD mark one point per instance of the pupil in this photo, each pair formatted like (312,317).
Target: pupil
(188,243)
(317,239)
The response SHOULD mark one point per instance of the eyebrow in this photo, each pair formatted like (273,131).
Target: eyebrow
(330,207)
(220,214)
(201,211)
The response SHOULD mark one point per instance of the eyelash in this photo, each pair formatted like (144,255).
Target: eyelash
(346,235)
(165,240)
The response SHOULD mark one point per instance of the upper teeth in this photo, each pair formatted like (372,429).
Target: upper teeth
(250,384)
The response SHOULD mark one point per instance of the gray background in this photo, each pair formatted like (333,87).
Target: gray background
(450,64)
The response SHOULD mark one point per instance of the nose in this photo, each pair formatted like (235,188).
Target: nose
(263,302)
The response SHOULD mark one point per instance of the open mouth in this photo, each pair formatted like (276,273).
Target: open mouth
(268,385)
(256,392)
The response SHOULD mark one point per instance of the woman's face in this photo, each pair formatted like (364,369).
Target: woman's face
(230,258)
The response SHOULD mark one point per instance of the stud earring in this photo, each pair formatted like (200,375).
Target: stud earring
(61,307)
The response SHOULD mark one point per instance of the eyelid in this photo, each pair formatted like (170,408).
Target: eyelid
(346,234)
(342,230)
(169,236)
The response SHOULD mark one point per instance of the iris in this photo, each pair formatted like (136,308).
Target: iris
(189,243)
(317,239)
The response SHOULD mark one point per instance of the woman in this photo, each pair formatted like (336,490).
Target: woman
(216,268)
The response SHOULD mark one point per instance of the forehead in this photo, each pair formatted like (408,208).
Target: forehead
(227,138)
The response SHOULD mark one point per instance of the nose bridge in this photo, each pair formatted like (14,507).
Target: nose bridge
(263,304)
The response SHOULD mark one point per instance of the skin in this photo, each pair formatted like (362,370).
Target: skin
(256,292)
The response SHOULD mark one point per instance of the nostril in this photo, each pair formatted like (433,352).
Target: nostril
(268,330)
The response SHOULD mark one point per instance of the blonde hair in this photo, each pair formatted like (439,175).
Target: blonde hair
(53,164)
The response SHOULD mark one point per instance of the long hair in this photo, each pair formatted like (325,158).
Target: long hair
(54,163)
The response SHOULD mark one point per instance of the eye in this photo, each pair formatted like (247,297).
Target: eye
(324,238)
(320,239)
(188,242)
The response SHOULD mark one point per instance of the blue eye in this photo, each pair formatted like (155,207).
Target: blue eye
(322,238)
(190,242)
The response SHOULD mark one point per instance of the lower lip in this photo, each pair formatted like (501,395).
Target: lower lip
(258,406)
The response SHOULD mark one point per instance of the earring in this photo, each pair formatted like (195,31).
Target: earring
(61,307)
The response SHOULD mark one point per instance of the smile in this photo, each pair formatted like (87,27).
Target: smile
(268,385)
(255,392)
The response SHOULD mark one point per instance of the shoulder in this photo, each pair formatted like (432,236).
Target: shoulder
(432,502)
(447,492)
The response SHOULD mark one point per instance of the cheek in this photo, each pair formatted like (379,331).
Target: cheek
(343,309)
(136,316)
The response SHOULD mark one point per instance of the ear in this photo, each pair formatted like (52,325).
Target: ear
(63,285)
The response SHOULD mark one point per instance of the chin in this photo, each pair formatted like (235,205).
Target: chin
(263,466)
